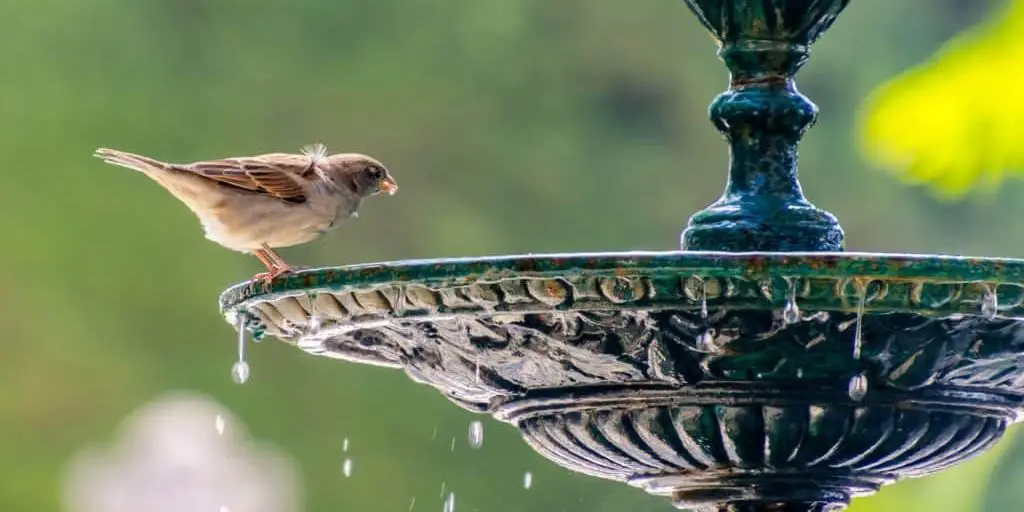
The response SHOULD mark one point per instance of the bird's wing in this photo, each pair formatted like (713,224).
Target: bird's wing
(279,175)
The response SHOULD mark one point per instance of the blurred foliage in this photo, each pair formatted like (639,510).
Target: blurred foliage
(956,122)
(512,126)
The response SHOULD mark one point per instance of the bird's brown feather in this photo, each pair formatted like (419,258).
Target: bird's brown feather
(280,175)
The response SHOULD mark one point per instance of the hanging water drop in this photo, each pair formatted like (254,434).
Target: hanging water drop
(344,445)
(989,303)
(527,480)
(858,330)
(706,342)
(449,504)
(858,387)
(476,434)
(703,299)
(791,312)
(346,468)
(240,370)
(218,423)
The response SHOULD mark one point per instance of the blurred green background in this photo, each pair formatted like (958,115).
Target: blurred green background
(511,126)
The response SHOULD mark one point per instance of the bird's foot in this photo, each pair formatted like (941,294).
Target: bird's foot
(267,277)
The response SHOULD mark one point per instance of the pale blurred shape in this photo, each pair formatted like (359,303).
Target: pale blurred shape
(181,453)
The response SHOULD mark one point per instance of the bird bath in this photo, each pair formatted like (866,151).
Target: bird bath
(762,368)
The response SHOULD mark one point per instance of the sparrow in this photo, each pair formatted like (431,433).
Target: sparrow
(254,204)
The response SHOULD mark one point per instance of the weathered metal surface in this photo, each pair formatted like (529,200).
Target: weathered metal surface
(763,116)
(678,373)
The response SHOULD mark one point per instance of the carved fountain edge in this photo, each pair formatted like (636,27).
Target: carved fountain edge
(892,283)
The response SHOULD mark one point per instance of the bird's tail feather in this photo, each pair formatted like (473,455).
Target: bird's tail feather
(129,160)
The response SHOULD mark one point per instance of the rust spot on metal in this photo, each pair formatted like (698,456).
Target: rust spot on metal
(552,289)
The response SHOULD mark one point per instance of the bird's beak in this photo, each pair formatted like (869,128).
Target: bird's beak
(389,186)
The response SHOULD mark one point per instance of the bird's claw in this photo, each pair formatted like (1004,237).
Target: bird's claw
(267,277)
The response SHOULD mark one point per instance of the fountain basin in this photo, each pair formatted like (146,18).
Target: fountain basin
(709,377)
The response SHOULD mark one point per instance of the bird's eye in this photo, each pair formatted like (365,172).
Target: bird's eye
(376,173)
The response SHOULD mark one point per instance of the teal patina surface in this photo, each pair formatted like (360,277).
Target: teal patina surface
(763,116)
(931,270)
(761,369)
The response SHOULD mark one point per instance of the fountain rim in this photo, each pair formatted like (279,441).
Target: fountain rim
(748,265)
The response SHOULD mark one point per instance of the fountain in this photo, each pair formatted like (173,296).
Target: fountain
(761,368)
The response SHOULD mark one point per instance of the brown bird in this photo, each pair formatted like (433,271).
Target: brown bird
(256,203)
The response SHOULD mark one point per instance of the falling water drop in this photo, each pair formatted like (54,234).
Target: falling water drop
(412,504)
(860,321)
(791,312)
(433,436)
(240,370)
(478,371)
(449,504)
(344,445)
(453,443)
(858,387)
(476,434)
(527,480)
(989,303)
(346,468)
(218,423)
(444,486)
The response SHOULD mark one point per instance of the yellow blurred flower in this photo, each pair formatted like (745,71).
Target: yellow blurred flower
(956,122)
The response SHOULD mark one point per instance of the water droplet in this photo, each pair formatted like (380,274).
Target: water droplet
(706,342)
(218,423)
(476,434)
(412,504)
(703,299)
(478,371)
(344,445)
(527,480)
(858,387)
(791,312)
(433,437)
(346,468)
(860,321)
(444,485)
(449,504)
(453,443)
(989,303)
(240,372)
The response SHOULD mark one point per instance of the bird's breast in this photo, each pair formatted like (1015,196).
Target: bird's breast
(245,223)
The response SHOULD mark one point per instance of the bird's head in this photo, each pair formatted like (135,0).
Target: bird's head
(361,174)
